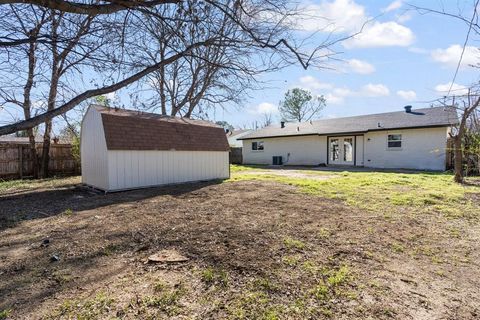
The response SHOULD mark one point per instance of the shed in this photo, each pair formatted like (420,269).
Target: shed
(126,149)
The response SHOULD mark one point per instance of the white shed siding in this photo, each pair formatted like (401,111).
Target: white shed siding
(93,150)
(423,149)
(303,150)
(132,169)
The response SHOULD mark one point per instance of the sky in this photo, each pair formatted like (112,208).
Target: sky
(401,58)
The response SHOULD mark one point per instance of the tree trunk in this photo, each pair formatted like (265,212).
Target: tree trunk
(27,103)
(458,161)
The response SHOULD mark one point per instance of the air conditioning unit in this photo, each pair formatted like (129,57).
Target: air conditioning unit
(277,160)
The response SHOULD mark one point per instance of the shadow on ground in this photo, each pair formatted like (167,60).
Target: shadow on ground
(38,204)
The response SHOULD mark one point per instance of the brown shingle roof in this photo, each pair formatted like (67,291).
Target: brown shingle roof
(134,130)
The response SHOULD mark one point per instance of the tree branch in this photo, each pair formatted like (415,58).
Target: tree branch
(37,120)
(93,8)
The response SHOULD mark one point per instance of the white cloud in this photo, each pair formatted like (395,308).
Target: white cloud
(264,107)
(375,90)
(333,99)
(360,66)
(381,34)
(456,89)
(338,95)
(312,83)
(336,16)
(346,16)
(393,6)
(451,55)
(408,95)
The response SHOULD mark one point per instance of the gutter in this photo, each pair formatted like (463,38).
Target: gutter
(346,133)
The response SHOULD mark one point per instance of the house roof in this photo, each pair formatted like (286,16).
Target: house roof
(418,118)
(238,132)
(135,130)
(10,139)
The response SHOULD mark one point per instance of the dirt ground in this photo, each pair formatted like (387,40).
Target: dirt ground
(256,249)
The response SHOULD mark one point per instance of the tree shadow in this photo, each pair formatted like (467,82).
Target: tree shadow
(29,205)
(208,229)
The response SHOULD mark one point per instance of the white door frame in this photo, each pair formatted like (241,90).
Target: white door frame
(341,158)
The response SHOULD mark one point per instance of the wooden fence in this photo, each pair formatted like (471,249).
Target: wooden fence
(450,154)
(16,161)
(236,155)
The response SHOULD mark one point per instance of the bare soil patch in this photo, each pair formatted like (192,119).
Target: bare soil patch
(255,249)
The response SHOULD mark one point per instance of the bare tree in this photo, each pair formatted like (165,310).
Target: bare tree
(20,67)
(267,119)
(207,76)
(259,26)
(466,106)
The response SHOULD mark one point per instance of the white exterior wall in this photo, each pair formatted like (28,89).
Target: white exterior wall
(300,150)
(128,169)
(359,140)
(93,150)
(423,149)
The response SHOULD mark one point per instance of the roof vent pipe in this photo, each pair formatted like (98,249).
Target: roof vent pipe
(282,124)
(408,109)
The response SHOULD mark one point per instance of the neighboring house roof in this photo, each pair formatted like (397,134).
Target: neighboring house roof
(234,137)
(24,140)
(235,133)
(418,118)
(135,130)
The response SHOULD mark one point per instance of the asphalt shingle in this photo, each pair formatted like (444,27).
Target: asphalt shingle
(418,118)
(135,130)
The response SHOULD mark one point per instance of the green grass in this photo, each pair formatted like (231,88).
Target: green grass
(214,276)
(4,314)
(92,308)
(242,168)
(7,185)
(293,244)
(382,191)
(166,300)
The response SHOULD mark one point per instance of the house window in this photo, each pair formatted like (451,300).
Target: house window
(348,149)
(334,149)
(394,141)
(257,145)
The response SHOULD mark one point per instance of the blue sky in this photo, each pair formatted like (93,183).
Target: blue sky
(401,58)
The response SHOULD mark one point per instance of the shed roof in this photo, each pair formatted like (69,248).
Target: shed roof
(418,118)
(136,130)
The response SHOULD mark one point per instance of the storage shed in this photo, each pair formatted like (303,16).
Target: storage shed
(126,149)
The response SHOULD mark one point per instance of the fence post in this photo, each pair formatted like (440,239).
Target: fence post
(20,161)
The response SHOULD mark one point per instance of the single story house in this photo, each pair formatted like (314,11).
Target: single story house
(126,149)
(410,139)
(234,136)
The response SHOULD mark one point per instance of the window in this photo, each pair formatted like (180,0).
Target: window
(257,145)
(394,141)
(348,149)
(334,149)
